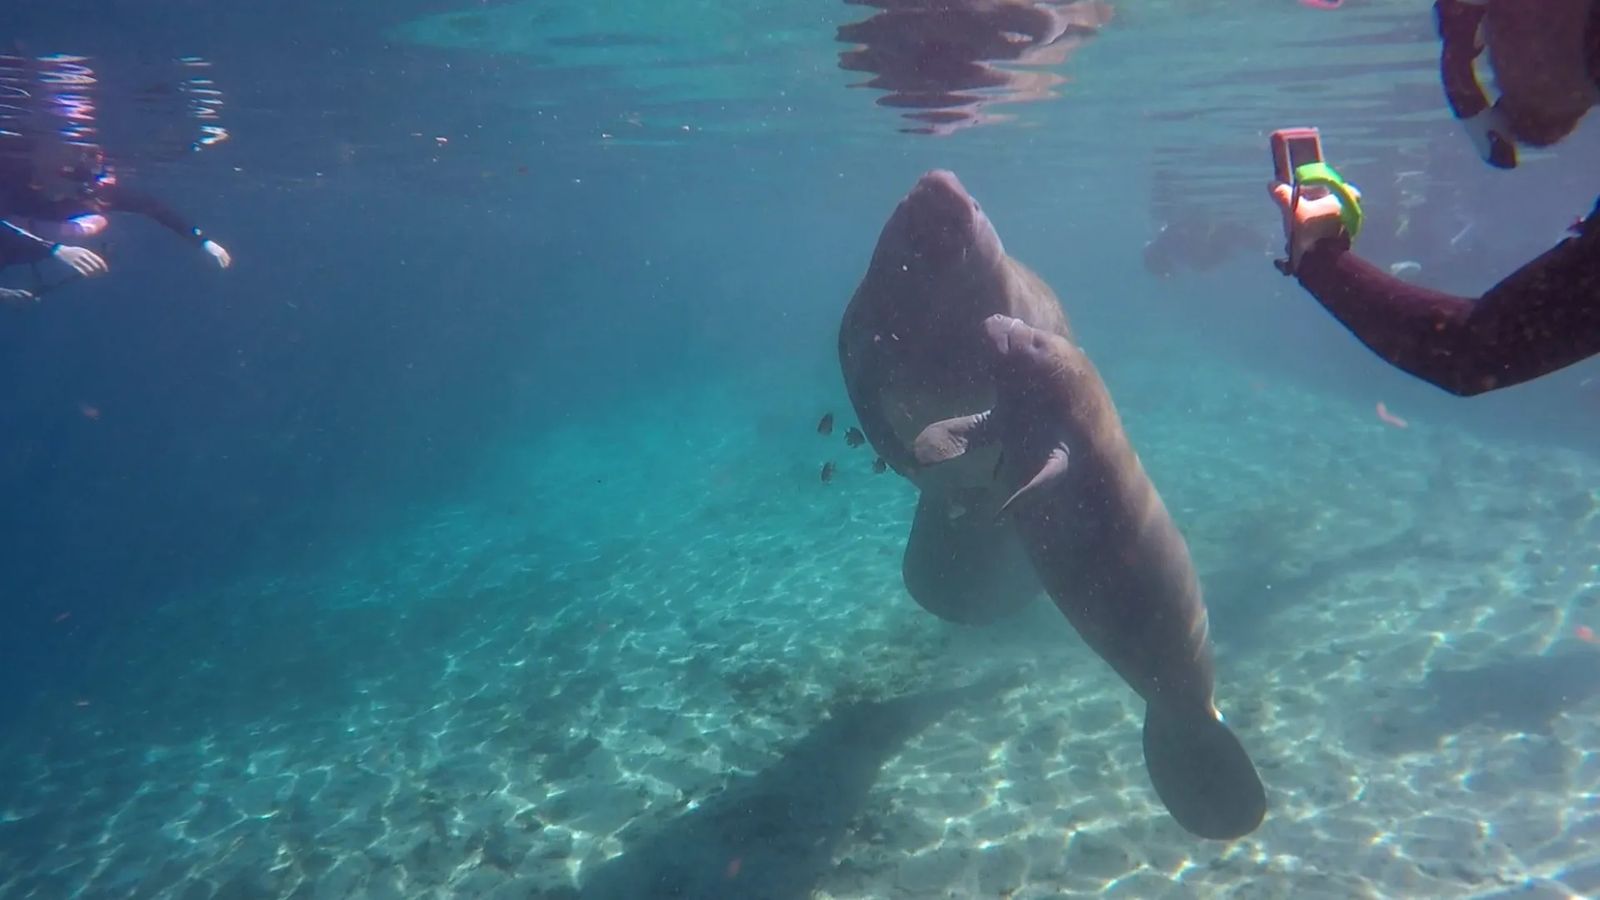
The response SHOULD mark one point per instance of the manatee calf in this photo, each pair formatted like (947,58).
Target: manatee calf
(912,352)
(1106,549)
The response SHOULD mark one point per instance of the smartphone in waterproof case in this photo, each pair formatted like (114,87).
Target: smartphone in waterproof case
(1293,148)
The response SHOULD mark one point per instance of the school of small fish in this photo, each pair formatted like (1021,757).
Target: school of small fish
(853,438)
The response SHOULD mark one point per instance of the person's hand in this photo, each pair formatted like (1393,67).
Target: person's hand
(218,253)
(17,295)
(1315,217)
(87,263)
(85,226)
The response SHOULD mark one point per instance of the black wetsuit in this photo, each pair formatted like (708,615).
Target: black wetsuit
(21,200)
(18,246)
(1543,317)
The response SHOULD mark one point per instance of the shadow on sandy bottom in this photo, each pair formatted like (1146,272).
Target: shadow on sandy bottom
(1258,588)
(1520,695)
(772,836)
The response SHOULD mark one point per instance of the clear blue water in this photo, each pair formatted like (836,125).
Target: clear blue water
(495,446)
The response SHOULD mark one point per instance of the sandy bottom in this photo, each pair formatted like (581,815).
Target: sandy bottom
(657,657)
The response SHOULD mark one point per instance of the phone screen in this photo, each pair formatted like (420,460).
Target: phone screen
(1304,150)
(1293,148)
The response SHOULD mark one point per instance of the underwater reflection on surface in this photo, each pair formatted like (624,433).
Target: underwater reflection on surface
(948,61)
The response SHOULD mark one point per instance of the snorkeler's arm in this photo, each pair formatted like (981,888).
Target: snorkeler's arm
(121,199)
(124,200)
(18,246)
(1541,318)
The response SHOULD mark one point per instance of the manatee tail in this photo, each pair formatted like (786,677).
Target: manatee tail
(1202,773)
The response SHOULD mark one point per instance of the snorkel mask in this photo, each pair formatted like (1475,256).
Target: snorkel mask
(1461,29)
(73,173)
(89,174)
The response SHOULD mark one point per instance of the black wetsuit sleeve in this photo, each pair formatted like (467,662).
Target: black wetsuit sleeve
(19,247)
(1543,317)
(121,199)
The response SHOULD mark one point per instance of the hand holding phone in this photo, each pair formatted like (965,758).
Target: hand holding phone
(1306,221)
(1303,225)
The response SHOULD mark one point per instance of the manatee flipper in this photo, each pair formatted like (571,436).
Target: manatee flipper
(965,569)
(945,440)
(1055,466)
(1202,773)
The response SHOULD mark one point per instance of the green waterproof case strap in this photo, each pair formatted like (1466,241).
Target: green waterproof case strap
(1320,174)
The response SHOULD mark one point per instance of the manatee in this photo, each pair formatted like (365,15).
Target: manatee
(1110,556)
(912,353)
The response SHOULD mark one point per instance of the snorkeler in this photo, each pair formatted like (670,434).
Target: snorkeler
(70,200)
(1544,316)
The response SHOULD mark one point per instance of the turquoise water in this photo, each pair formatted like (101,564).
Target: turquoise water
(466,538)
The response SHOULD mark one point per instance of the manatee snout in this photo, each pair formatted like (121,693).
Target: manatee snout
(999,328)
(941,196)
(943,222)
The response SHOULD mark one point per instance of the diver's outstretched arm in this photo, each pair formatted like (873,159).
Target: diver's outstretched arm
(122,199)
(1543,317)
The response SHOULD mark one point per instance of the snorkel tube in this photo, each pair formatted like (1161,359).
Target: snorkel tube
(1460,25)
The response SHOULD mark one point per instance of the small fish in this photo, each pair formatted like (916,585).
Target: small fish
(854,438)
(879,466)
(1585,634)
(827,472)
(825,427)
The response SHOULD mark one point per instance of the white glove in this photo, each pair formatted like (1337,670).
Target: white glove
(218,253)
(85,262)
